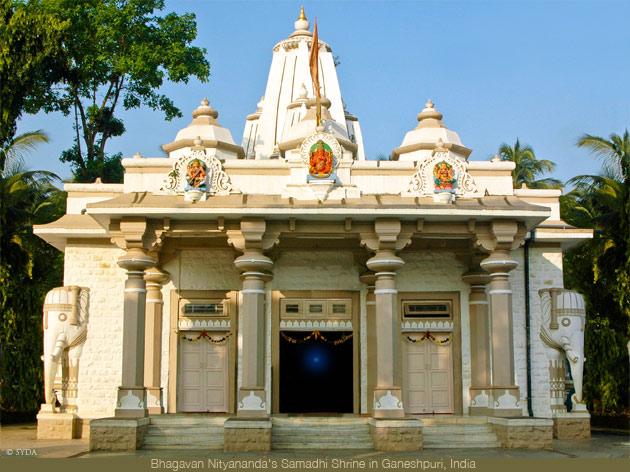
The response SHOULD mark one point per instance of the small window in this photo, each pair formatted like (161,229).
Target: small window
(417,309)
(339,308)
(316,308)
(292,308)
(192,309)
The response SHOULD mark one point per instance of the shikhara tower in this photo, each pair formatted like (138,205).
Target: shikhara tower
(289,87)
(290,275)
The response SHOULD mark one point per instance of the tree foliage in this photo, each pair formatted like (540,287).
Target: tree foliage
(28,269)
(30,44)
(528,167)
(600,268)
(117,53)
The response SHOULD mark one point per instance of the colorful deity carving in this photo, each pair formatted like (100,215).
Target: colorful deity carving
(443,176)
(196,174)
(320,160)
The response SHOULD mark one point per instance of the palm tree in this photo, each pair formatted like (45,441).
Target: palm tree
(527,166)
(12,156)
(28,269)
(602,265)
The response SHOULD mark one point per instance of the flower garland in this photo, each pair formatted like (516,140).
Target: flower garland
(429,336)
(206,335)
(317,335)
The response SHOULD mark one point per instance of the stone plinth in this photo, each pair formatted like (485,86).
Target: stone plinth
(51,425)
(247,435)
(523,433)
(396,435)
(117,434)
(572,426)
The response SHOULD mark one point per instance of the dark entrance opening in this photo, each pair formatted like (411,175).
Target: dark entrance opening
(316,376)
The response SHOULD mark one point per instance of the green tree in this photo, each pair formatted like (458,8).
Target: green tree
(600,268)
(11,155)
(117,53)
(528,167)
(30,44)
(29,267)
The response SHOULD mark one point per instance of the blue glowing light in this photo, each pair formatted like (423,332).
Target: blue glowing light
(315,359)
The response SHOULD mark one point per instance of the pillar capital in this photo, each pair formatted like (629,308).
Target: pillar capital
(476,277)
(387,235)
(384,262)
(498,263)
(369,278)
(156,276)
(253,260)
(136,259)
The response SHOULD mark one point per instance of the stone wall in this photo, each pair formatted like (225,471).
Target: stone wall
(523,433)
(100,365)
(247,435)
(110,434)
(572,426)
(396,435)
(545,271)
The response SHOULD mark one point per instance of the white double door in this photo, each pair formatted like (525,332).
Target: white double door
(429,376)
(203,376)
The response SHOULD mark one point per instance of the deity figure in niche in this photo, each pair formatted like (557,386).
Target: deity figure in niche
(320,160)
(443,177)
(196,175)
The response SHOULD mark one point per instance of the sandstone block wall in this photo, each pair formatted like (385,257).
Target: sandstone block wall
(247,439)
(523,433)
(57,426)
(396,436)
(100,366)
(111,434)
(572,428)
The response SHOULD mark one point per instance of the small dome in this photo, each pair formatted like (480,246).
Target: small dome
(429,134)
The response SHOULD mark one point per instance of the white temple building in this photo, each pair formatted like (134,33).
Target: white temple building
(243,288)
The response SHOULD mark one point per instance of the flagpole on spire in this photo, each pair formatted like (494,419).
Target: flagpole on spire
(314,66)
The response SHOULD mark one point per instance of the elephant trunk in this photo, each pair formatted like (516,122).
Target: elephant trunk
(50,367)
(577,373)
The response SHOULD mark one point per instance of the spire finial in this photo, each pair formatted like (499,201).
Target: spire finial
(429,104)
(205,102)
(301,24)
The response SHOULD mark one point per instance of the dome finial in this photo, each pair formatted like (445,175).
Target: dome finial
(429,104)
(301,24)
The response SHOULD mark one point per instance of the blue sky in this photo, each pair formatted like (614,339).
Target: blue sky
(545,72)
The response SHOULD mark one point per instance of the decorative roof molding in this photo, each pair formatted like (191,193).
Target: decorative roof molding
(411,326)
(309,325)
(194,324)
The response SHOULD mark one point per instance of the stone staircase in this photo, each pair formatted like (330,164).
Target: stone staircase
(450,432)
(307,432)
(188,431)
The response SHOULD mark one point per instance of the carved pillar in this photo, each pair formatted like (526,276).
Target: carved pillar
(132,394)
(369,279)
(255,267)
(155,278)
(479,341)
(500,238)
(385,241)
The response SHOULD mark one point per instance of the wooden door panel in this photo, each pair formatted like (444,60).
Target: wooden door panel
(204,379)
(429,378)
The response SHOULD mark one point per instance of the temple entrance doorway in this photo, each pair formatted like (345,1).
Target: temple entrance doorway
(315,366)
(316,373)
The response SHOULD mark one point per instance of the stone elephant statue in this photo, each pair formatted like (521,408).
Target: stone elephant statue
(65,327)
(562,331)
